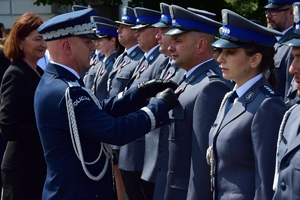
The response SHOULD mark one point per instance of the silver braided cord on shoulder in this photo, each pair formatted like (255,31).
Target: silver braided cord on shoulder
(224,101)
(209,152)
(281,129)
(104,148)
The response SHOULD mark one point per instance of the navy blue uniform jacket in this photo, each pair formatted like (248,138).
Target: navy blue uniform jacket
(245,144)
(289,159)
(65,176)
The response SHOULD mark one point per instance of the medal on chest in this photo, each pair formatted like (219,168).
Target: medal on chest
(121,66)
(141,71)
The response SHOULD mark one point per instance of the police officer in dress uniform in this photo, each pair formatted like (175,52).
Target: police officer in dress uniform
(199,96)
(126,63)
(279,17)
(122,71)
(158,138)
(131,158)
(74,127)
(287,174)
(108,44)
(97,57)
(243,137)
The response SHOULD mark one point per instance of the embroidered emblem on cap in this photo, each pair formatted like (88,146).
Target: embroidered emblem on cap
(174,23)
(224,31)
(296,13)
(124,11)
(224,18)
(68,30)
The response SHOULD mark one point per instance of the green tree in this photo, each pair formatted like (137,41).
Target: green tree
(251,9)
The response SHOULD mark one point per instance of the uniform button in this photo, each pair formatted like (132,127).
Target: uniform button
(160,150)
(287,163)
(96,195)
(282,186)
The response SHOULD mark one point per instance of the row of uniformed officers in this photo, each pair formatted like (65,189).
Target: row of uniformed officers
(216,128)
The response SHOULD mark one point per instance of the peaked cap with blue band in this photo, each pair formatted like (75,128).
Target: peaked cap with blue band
(145,17)
(128,17)
(78,7)
(165,18)
(102,20)
(76,23)
(103,30)
(274,4)
(294,38)
(202,12)
(184,20)
(238,31)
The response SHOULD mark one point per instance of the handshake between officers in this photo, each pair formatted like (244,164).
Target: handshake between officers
(75,128)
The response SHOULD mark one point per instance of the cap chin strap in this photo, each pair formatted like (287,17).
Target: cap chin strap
(105,148)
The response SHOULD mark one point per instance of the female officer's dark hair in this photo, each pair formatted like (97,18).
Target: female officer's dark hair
(266,65)
(119,48)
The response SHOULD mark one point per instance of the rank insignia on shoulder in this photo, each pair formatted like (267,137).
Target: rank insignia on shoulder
(73,83)
(268,91)
(250,96)
(211,74)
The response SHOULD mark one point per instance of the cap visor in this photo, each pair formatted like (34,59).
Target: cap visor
(226,44)
(124,23)
(139,26)
(273,6)
(295,42)
(160,25)
(175,31)
(89,36)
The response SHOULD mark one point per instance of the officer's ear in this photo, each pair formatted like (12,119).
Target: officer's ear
(255,60)
(66,46)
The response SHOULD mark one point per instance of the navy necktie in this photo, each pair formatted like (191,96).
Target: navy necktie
(166,71)
(139,64)
(230,101)
(123,56)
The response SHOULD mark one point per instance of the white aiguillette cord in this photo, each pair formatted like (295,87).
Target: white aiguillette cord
(106,148)
(280,134)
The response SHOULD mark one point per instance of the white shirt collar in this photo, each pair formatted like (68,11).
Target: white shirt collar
(196,67)
(131,49)
(283,32)
(67,68)
(151,50)
(243,88)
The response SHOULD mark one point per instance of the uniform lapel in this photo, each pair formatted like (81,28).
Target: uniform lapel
(241,104)
(293,138)
(194,76)
(59,71)
(170,72)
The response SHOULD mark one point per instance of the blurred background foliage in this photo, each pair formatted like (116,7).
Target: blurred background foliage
(251,9)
